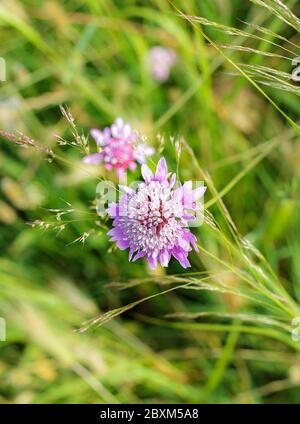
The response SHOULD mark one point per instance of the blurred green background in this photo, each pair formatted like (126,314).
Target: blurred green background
(218,332)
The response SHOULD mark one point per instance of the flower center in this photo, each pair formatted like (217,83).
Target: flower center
(152,221)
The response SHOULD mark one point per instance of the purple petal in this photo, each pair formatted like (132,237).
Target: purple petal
(149,151)
(131,253)
(184,244)
(112,232)
(116,234)
(190,237)
(181,257)
(107,133)
(178,193)
(97,136)
(119,122)
(187,186)
(146,173)
(189,217)
(113,209)
(152,262)
(187,198)
(120,171)
(132,166)
(93,159)
(164,257)
(190,196)
(161,170)
(172,180)
(198,192)
(138,256)
(141,152)
(126,189)
(122,244)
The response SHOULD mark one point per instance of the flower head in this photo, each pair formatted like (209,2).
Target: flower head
(119,148)
(161,60)
(152,221)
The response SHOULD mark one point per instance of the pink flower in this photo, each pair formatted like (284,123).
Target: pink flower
(161,60)
(119,148)
(152,221)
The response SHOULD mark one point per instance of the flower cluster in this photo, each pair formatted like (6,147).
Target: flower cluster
(152,221)
(161,60)
(119,148)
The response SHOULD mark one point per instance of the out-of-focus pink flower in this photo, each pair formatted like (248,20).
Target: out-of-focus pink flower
(119,148)
(161,60)
(152,221)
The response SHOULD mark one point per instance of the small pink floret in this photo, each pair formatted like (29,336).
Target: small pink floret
(119,148)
